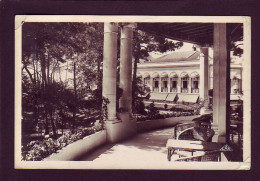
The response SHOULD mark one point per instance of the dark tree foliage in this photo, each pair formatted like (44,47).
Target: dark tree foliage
(48,100)
(237,40)
(143,44)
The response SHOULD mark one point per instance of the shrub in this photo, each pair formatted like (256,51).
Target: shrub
(38,150)
(140,107)
(153,112)
(165,106)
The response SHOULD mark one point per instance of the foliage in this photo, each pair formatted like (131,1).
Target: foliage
(181,109)
(163,115)
(139,92)
(237,45)
(50,50)
(38,150)
(143,44)
(153,112)
(140,107)
(199,106)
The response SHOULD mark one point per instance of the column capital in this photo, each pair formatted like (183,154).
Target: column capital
(129,25)
(204,51)
(127,32)
(110,27)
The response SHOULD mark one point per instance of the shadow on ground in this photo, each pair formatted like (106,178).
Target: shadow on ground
(141,144)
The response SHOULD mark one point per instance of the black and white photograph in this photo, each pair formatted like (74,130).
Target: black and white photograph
(132,92)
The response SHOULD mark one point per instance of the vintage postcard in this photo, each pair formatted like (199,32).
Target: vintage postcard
(132,92)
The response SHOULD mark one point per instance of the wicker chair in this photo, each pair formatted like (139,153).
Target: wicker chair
(190,131)
(197,130)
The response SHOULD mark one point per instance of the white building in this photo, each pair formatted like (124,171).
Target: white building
(176,77)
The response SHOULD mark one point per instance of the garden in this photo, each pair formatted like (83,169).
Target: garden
(152,112)
(62,98)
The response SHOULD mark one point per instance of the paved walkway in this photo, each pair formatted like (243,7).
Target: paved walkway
(143,151)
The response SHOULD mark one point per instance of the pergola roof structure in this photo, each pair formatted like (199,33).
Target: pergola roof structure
(196,33)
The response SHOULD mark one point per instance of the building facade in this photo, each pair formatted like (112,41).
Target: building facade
(176,77)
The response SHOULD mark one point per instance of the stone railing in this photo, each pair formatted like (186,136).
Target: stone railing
(173,89)
(184,90)
(194,90)
(155,89)
(164,89)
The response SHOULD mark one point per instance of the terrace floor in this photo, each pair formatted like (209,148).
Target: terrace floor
(143,151)
(146,150)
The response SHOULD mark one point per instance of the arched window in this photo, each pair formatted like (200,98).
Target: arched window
(194,82)
(155,77)
(164,82)
(173,82)
(184,82)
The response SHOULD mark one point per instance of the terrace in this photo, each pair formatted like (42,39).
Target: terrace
(218,35)
(123,137)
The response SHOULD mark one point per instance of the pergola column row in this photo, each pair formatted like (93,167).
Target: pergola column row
(221,73)
(110,67)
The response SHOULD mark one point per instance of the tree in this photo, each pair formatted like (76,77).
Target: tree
(46,46)
(237,40)
(143,44)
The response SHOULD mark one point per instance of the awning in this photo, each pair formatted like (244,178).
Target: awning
(164,75)
(171,97)
(158,96)
(173,75)
(146,75)
(184,74)
(155,75)
(194,75)
(191,98)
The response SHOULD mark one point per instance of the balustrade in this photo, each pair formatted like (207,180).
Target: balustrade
(155,89)
(173,89)
(164,89)
(194,90)
(184,90)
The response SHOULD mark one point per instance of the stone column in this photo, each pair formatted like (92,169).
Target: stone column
(204,80)
(169,84)
(125,101)
(160,84)
(151,84)
(221,83)
(109,67)
(189,85)
(179,85)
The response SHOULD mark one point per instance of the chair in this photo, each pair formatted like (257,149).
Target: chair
(191,132)
(198,150)
(197,130)
(203,121)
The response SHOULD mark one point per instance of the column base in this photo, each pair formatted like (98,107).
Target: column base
(205,110)
(120,129)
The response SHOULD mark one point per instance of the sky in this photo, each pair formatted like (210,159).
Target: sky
(185,47)
(188,47)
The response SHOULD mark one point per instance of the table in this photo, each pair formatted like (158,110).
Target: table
(193,146)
